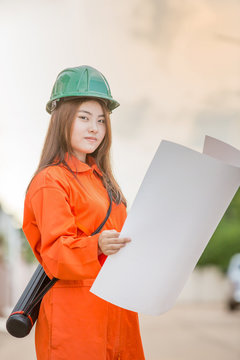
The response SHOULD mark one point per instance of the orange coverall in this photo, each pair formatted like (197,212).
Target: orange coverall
(59,217)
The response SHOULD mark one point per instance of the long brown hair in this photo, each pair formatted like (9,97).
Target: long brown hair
(58,142)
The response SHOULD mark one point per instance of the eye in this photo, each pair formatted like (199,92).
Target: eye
(83,117)
(102,121)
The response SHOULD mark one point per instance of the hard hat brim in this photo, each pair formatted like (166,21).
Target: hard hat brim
(111,103)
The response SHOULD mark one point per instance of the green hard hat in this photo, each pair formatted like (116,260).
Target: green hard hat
(81,81)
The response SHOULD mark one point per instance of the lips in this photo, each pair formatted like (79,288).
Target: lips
(91,138)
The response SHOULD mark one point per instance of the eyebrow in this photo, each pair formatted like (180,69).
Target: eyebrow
(87,112)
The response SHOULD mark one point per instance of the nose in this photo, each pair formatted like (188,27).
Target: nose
(93,126)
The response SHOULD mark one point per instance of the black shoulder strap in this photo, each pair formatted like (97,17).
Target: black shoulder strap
(107,216)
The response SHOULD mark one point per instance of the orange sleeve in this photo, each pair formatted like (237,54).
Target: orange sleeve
(66,255)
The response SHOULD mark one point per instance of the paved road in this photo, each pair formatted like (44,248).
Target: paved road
(193,332)
(187,332)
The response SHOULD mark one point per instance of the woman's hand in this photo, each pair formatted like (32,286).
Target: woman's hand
(109,242)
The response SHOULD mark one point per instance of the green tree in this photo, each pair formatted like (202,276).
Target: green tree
(225,241)
(3,248)
(26,251)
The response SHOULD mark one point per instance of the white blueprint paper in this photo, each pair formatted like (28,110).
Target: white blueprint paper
(221,151)
(180,202)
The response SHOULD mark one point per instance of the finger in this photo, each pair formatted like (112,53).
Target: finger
(122,240)
(111,234)
(115,246)
(111,252)
(117,241)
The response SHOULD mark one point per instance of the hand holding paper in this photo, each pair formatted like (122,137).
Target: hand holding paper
(180,202)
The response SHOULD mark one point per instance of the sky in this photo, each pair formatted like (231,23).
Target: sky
(173,66)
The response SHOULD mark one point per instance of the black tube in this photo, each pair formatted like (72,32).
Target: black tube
(25,312)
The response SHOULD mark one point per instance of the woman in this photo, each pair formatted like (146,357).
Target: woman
(66,201)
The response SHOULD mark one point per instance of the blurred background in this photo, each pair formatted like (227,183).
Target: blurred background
(174,67)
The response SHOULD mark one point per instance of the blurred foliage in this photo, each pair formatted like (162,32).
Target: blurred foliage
(26,251)
(225,241)
(3,248)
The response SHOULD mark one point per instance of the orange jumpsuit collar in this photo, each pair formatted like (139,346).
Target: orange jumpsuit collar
(77,165)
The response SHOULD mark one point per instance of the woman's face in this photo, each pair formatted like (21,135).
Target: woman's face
(88,129)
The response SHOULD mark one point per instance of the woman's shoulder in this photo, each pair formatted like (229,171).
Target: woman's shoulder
(50,177)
